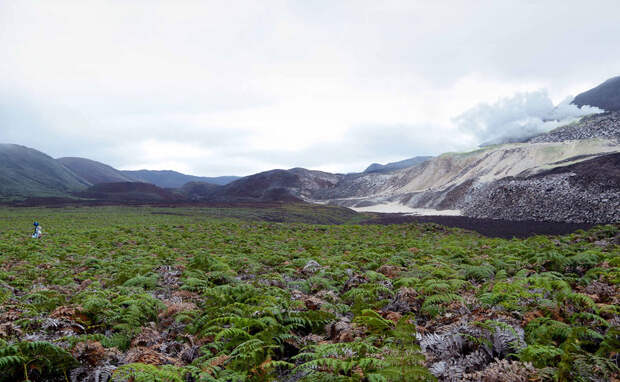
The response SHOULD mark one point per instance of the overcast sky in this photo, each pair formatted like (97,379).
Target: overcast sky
(236,87)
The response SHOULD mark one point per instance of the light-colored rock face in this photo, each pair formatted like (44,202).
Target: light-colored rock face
(499,162)
(448,171)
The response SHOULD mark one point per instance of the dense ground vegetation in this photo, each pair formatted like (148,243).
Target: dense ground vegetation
(146,294)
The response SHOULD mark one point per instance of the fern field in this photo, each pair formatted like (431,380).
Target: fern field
(196,294)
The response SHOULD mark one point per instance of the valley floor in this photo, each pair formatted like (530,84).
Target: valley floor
(222,294)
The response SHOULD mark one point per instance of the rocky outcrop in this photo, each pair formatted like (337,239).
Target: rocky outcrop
(452,352)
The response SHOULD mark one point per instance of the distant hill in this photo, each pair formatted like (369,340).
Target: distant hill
(25,172)
(93,171)
(129,191)
(271,185)
(605,96)
(173,179)
(276,185)
(376,167)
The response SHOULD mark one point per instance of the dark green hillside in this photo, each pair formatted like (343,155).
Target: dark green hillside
(26,172)
(93,171)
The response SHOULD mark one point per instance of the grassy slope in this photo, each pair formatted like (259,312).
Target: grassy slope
(174,278)
(27,172)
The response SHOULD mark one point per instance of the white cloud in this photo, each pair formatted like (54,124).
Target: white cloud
(521,116)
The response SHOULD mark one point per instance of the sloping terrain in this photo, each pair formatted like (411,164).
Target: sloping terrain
(606,96)
(173,179)
(94,172)
(25,172)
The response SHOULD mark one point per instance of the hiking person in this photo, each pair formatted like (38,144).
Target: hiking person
(37,231)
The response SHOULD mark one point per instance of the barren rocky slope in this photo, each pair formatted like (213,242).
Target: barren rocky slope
(585,191)
(448,181)
(486,182)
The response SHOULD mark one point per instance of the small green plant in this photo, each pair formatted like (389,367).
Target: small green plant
(20,360)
